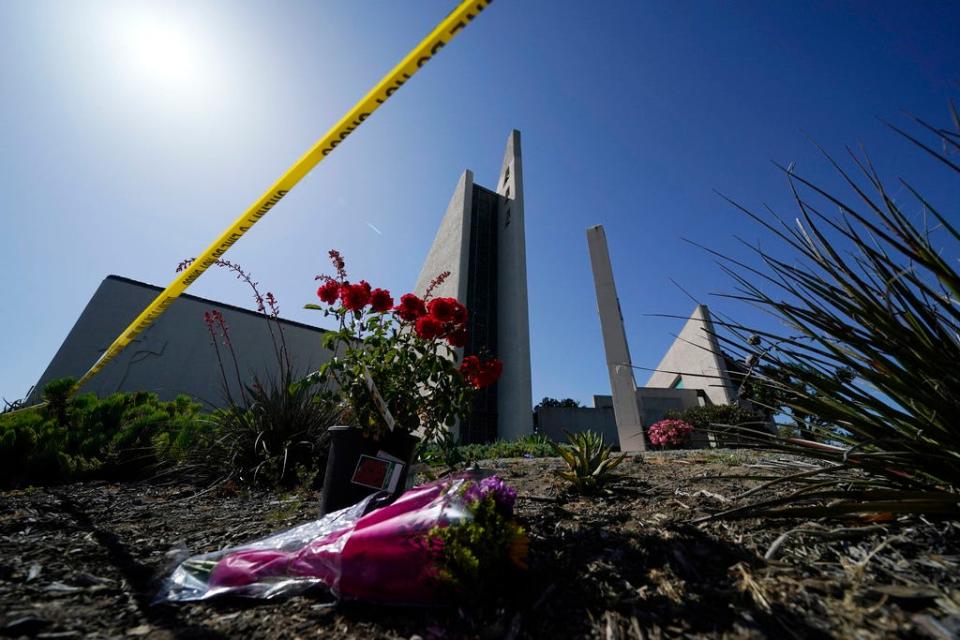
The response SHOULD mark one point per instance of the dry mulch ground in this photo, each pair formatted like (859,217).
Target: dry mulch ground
(86,560)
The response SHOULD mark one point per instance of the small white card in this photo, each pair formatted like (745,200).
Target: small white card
(379,401)
(395,472)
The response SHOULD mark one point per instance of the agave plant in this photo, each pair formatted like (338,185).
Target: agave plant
(589,463)
(867,365)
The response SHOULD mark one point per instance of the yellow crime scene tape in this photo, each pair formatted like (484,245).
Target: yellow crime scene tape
(449,27)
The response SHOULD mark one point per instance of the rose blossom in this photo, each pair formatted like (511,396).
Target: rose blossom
(458,337)
(481,374)
(354,296)
(489,373)
(470,367)
(442,309)
(329,291)
(428,328)
(459,313)
(380,300)
(410,308)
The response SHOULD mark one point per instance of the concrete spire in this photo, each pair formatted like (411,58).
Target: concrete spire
(626,407)
(514,395)
(451,246)
(481,241)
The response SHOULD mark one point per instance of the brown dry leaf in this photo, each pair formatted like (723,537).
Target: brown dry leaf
(878,517)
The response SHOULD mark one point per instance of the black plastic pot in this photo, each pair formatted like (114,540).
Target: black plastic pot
(358,466)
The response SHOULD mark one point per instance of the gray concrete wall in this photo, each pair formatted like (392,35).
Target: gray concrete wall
(603,402)
(656,402)
(553,421)
(695,357)
(174,355)
(514,392)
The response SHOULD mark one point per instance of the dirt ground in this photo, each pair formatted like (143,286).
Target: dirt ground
(86,560)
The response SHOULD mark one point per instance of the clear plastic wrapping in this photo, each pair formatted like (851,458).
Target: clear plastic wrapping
(411,551)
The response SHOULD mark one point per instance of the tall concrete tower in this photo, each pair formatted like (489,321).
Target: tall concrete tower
(626,407)
(481,242)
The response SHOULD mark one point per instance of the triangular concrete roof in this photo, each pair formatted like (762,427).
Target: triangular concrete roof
(696,358)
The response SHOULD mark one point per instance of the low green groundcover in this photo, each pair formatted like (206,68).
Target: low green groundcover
(83,436)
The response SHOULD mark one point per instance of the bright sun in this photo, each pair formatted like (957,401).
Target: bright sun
(159,51)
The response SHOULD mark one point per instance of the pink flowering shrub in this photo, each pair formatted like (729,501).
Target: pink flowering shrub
(670,433)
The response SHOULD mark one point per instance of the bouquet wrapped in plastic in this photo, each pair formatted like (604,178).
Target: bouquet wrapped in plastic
(437,540)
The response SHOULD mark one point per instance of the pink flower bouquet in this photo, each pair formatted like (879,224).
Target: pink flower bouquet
(437,540)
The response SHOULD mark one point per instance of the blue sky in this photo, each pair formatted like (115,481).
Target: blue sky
(132,133)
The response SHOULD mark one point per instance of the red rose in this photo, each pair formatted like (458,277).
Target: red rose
(443,309)
(329,291)
(365,285)
(481,374)
(470,368)
(458,337)
(380,300)
(489,373)
(410,308)
(459,313)
(428,328)
(354,296)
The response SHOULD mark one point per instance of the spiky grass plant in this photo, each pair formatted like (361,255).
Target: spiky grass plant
(869,362)
(589,461)
(279,437)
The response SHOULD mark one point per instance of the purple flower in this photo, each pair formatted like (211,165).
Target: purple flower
(493,487)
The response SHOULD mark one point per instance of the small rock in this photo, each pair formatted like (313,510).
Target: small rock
(33,571)
(141,630)
(59,635)
(902,592)
(89,580)
(59,587)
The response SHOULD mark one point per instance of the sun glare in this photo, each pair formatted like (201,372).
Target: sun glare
(160,53)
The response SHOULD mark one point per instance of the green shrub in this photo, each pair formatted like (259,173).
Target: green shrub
(725,422)
(84,436)
(444,450)
(451,454)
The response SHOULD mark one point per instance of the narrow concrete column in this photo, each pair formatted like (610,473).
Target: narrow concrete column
(514,392)
(626,407)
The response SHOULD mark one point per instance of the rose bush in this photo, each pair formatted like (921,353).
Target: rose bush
(395,366)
